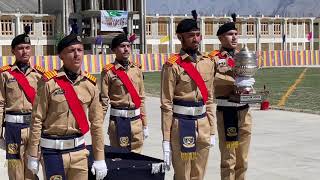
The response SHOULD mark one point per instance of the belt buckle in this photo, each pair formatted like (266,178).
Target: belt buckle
(198,111)
(26,118)
(131,113)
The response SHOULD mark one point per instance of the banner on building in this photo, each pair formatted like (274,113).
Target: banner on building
(113,20)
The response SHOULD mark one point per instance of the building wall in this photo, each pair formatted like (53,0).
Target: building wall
(257,33)
(42,34)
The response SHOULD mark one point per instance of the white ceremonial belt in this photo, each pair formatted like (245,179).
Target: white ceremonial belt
(18,118)
(125,113)
(191,111)
(62,144)
(226,103)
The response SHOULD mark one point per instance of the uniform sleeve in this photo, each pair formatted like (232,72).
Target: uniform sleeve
(104,96)
(96,120)
(2,102)
(211,106)
(39,113)
(168,83)
(142,97)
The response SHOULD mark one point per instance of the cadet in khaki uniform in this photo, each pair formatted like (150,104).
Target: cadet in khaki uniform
(65,101)
(18,85)
(233,119)
(187,107)
(122,85)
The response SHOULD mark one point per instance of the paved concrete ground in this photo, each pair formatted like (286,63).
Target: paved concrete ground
(285,146)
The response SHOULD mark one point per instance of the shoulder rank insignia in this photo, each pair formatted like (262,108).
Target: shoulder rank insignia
(213,53)
(50,74)
(108,67)
(91,78)
(5,68)
(39,69)
(172,60)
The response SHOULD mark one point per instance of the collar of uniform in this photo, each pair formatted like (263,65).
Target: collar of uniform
(185,56)
(117,65)
(61,72)
(30,69)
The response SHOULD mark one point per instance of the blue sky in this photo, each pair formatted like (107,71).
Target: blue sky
(293,8)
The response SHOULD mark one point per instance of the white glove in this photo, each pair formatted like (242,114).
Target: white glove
(99,168)
(244,81)
(145,132)
(212,140)
(33,164)
(166,154)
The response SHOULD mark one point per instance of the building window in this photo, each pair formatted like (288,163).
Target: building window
(177,48)
(307,27)
(48,50)
(28,21)
(149,48)
(47,27)
(6,26)
(148,28)
(239,28)
(277,29)
(250,28)
(162,28)
(264,28)
(208,30)
(288,28)
(163,48)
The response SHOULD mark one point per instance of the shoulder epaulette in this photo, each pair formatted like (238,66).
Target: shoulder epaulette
(50,74)
(136,65)
(5,68)
(40,69)
(91,78)
(213,53)
(172,60)
(108,67)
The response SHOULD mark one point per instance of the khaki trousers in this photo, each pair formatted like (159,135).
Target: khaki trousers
(136,135)
(17,169)
(191,169)
(234,162)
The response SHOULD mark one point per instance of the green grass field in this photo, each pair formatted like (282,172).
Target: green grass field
(277,80)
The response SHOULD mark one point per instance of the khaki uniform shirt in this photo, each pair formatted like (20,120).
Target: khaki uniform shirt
(52,116)
(177,84)
(224,79)
(12,97)
(114,90)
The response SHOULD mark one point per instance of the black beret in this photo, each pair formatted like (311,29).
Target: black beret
(116,41)
(69,40)
(187,25)
(20,39)
(226,27)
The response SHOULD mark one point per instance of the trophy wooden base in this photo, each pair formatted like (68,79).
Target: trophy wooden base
(246,98)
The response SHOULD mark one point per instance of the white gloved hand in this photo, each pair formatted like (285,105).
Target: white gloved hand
(33,164)
(99,168)
(145,132)
(212,140)
(244,81)
(166,154)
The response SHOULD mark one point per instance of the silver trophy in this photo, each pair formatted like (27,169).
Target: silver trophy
(245,68)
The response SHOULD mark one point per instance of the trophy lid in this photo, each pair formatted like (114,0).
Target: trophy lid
(245,57)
